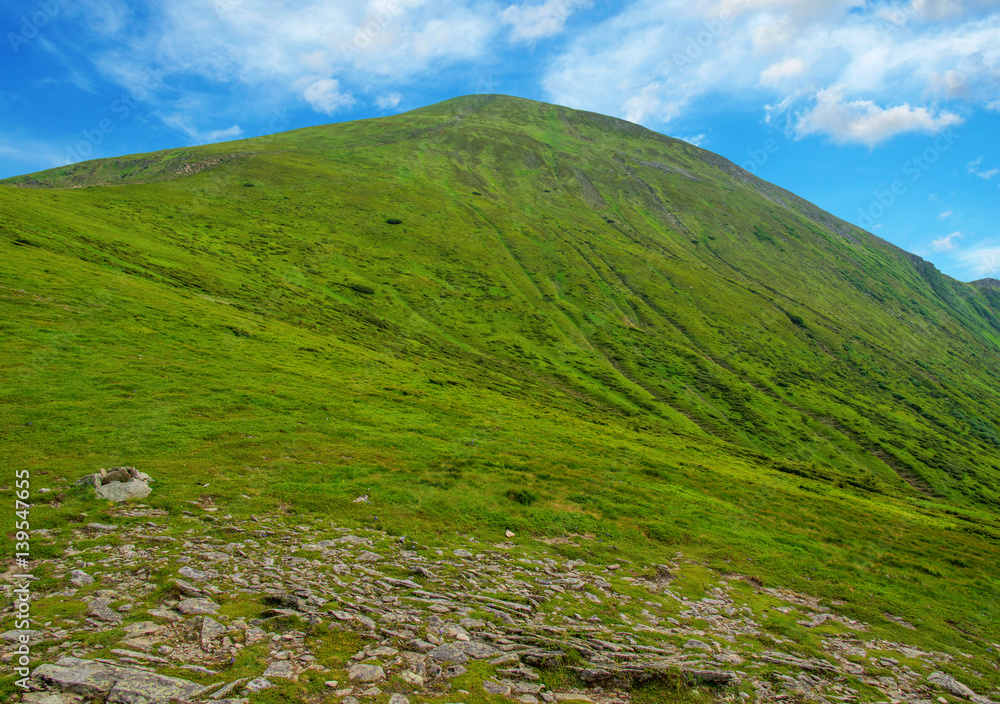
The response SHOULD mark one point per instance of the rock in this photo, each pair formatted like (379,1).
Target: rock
(100,609)
(366,673)
(332,684)
(142,628)
(123,685)
(398,699)
(412,678)
(123,491)
(950,684)
(691,644)
(367,556)
(509,534)
(191,573)
(211,630)
(224,691)
(571,697)
(453,671)
(711,676)
(462,553)
(279,668)
(494,688)
(349,700)
(197,606)
(448,653)
(165,614)
(42,698)
(80,578)
(257,685)
(476,650)
(527,699)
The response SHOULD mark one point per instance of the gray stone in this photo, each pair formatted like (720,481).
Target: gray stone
(280,668)
(224,691)
(211,630)
(571,697)
(257,685)
(123,685)
(366,673)
(42,698)
(950,684)
(477,650)
(142,628)
(462,553)
(100,609)
(192,573)
(367,556)
(398,699)
(123,491)
(197,606)
(448,653)
(453,671)
(494,688)
(165,614)
(698,644)
(80,578)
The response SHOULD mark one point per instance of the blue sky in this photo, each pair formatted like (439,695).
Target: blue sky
(884,113)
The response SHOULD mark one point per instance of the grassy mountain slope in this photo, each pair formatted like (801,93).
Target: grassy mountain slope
(578,325)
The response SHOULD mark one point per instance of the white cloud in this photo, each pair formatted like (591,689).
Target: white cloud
(864,122)
(695,139)
(179,121)
(891,68)
(946,244)
(788,69)
(984,261)
(388,101)
(986,173)
(325,95)
(946,214)
(531,22)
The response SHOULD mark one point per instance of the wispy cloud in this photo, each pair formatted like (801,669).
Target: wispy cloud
(983,261)
(973,167)
(532,22)
(388,101)
(946,214)
(946,244)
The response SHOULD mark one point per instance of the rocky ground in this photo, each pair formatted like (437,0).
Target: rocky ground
(144,611)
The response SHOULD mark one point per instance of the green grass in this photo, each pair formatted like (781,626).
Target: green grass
(722,370)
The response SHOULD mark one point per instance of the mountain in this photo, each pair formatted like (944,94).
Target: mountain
(495,313)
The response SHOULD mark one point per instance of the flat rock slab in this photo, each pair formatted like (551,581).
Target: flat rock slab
(123,491)
(80,578)
(197,606)
(123,685)
(448,653)
(495,688)
(142,628)
(950,684)
(100,608)
(477,650)
(257,685)
(366,673)
(280,668)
